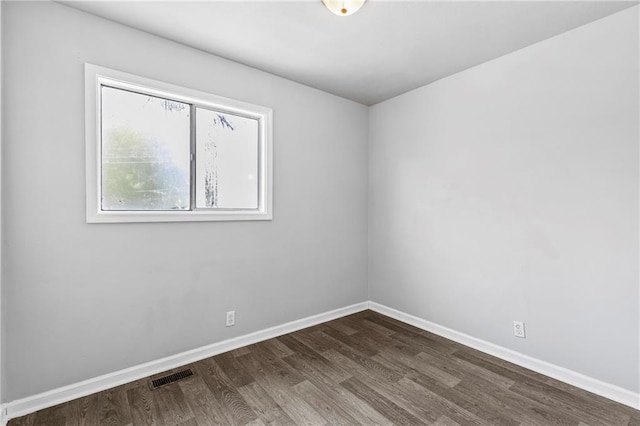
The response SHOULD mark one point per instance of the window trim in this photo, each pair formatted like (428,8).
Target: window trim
(96,77)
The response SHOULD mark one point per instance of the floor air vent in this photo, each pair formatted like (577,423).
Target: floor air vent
(171,378)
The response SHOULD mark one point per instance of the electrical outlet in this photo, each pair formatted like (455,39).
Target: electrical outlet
(231,318)
(518,329)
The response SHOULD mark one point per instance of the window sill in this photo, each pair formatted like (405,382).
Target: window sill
(174,216)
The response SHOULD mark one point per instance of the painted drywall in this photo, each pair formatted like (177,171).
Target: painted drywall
(510,192)
(82,300)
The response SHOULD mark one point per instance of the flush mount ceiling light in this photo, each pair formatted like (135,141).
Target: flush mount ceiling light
(343,7)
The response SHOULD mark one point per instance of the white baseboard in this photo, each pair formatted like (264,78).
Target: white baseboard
(587,383)
(53,397)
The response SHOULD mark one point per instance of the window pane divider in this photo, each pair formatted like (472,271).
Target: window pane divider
(192,157)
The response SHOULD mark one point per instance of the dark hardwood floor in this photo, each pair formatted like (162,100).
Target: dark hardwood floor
(362,369)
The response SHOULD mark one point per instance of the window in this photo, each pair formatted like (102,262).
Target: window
(163,153)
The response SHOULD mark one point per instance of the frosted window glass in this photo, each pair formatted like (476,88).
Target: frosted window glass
(226,161)
(145,152)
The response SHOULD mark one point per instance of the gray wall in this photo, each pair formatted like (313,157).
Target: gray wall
(510,191)
(83,300)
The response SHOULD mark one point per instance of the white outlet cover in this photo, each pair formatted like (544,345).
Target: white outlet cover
(231,318)
(518,329)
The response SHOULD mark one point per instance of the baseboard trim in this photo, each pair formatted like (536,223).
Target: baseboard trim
(63,394)
(587,383)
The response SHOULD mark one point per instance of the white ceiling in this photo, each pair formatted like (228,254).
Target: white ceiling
(387,48)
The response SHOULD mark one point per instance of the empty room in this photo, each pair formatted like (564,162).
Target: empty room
(317,212)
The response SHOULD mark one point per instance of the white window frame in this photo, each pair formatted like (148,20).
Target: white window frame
(96,77)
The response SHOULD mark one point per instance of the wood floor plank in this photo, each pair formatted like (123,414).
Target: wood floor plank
(171,405)
(445,421)
(277,383)
(586,396)
(296,347)
(189,422)
(314,339)
(325,406)
(363,361)
(442,405)
(24,420)
(389,389)
(427,344)
(262,403)
(534,386)
(341,326)
(143,411)
(410,332)
(321,375)
(564,402)
(382,341)
(634,420)
(240,351)
(235,408)
(419,365)
(359,324)
(278,349)
(364,369)
(318,370)
(439,396)
(108,408)
(85,410)
(366,348)
(471,357)
(382,404)
(62,414)
(313,360)
(206,409)
(464,402)
(521,409)
(233,370)
(460,368)
(277,367)
(51,419)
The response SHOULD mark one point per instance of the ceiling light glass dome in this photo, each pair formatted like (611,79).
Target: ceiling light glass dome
(343,7)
